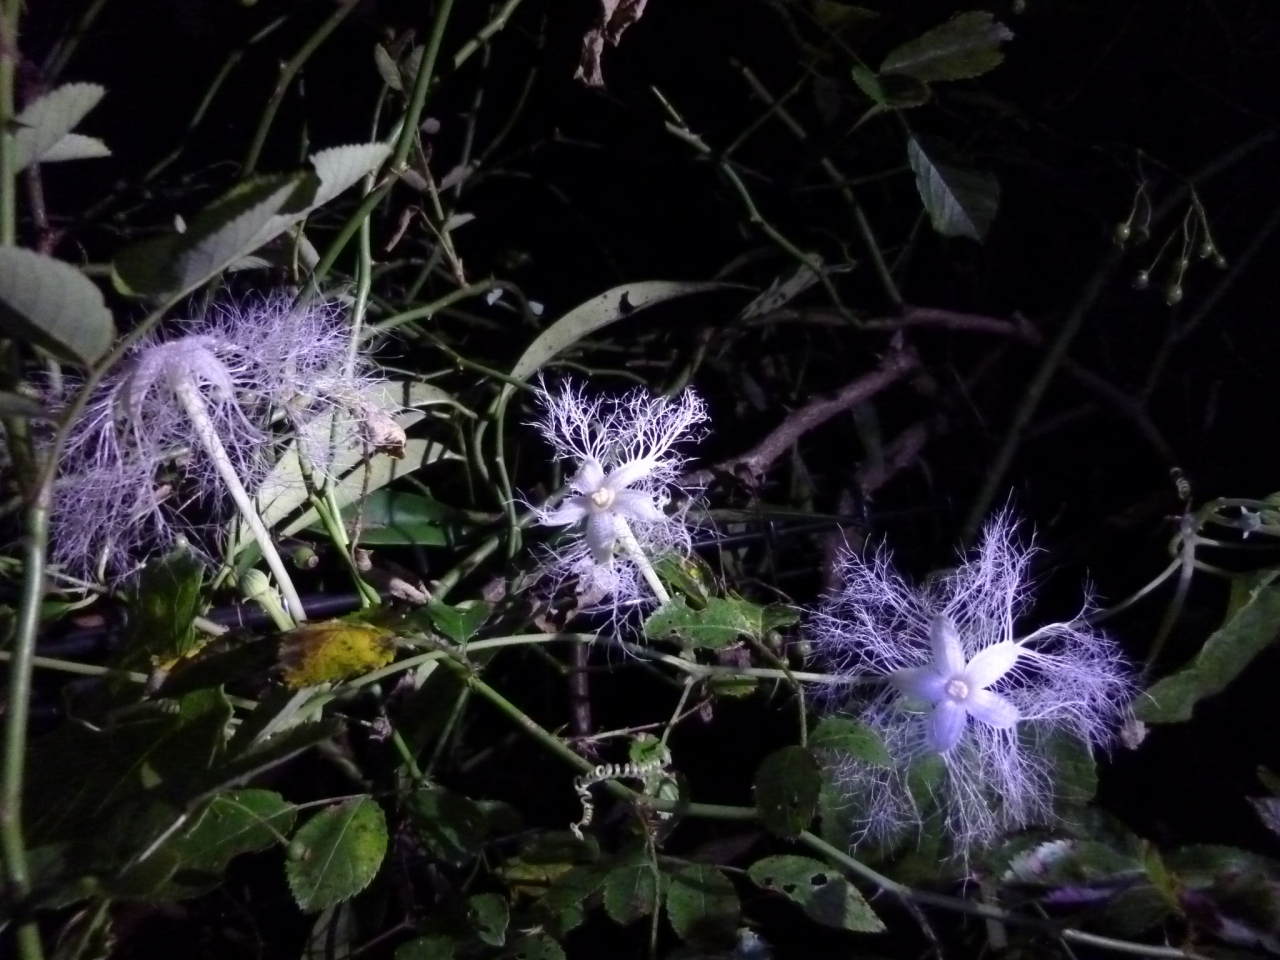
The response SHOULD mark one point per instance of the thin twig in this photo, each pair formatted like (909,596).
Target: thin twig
(755,462)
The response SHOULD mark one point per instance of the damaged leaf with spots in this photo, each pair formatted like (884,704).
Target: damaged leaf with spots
(330,651)
(615,17)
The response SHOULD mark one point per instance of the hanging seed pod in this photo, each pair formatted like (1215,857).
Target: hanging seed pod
(1173,294)
(1123,232)
(1142,280)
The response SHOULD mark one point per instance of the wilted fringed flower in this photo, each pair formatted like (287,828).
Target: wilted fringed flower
(189,422)
(626,470)
(955,685)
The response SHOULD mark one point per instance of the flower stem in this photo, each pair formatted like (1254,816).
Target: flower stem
(198,413)
(631,547)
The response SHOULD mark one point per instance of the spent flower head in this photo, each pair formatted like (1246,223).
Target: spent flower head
(955,689)
(192,412)
(626,471)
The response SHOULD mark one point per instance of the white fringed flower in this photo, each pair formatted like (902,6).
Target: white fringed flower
(190,422)
(626,471)
(956,686)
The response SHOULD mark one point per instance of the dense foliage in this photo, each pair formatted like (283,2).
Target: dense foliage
(688,478)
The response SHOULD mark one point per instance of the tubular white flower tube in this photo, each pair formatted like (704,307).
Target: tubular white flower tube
(626,470)
(957,685)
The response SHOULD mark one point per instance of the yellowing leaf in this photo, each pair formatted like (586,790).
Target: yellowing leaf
(323,652)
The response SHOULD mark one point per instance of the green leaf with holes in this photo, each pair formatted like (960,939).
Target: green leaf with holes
(966,46)
(54,306)
(489,915)
(822,892)
(788,784)
(336,853)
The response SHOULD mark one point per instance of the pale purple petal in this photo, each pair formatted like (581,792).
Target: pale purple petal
(923,682)
(629,473)
(602,534)
(589,477)
(571,511)
(992,709)
(637,505)
(948,656)
(992,664)
(946,724)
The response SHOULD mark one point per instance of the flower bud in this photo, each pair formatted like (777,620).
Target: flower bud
(1123,232)
(257,586)
(1173,294)
(305,558)
(1142,280)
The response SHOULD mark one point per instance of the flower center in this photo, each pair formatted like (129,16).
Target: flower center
(957,689)
(601,499)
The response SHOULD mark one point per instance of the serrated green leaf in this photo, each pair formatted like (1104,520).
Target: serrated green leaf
(460,621)
(968,45)
(269,752)
(1225,654)
(690,575)
(598,312)
(283,491)
(892,92)
(702,905)
(340,168)
(336,853)
(373,474)
(1268,810)
(632,891)
(868,83)
(847,736)
(489,915)
(960,202)
(787,787)
(837,16)
(54,306)
(163,608)
(76,146)
(399,518)
(716,625)
(240,821)
(44,122)
(826,896)
(1055,863)
(387,68)
(450,826)
(1075,774)
(227,230)
(77,776)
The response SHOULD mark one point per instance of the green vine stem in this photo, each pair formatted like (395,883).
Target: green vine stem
(832,854)
(288,71)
